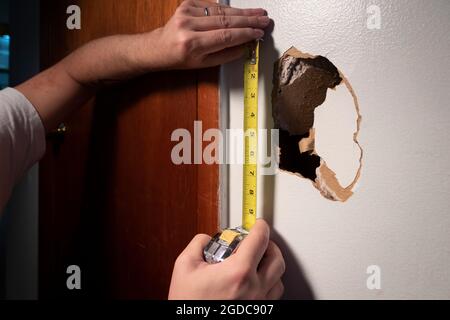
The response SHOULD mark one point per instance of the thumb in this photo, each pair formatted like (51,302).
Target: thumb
(194,250)
(255,244)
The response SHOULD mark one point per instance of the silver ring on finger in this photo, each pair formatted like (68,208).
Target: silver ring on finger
(207,12)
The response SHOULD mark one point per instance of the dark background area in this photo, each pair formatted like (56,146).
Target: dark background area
(19,222)
(4,43)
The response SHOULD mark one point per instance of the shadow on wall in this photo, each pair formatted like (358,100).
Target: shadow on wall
(268,55)
(294,280)
(296,286)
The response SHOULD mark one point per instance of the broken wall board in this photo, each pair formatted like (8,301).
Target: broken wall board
(398,217)
(301,83)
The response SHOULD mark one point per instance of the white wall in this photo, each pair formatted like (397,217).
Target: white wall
(399,217)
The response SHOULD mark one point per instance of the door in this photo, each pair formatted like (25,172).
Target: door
(111,200)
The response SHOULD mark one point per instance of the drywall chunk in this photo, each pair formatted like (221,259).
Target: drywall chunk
(301,82)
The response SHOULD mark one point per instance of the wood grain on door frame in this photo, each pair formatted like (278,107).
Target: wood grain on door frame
(111,201)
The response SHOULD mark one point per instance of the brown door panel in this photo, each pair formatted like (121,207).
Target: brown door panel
(111,201)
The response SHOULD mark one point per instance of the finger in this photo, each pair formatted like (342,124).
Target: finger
(252,248)
(215,10)
(217,40)
(272,266)
(225,22)
(194,250)
(203,3)
(276,292)
(224,56)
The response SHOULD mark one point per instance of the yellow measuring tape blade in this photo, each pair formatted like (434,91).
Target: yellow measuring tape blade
(250,137)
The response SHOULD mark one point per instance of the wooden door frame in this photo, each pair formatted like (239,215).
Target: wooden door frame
(207,184)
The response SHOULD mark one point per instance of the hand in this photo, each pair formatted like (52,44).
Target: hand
(189,40)
(253,272)
(193,40)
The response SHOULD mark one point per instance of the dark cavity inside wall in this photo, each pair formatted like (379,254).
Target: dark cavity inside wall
(300,86)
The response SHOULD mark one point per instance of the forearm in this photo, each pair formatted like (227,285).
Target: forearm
(189,40)
(59,90)
(115,58)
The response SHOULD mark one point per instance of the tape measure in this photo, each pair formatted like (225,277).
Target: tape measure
(223,244)
(250,137)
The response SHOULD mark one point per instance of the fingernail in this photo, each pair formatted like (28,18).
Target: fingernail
(263,11)
(259,33)
(259,11)
(264,20)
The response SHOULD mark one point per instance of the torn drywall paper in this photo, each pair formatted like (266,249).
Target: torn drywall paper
(301,82)
(335,122)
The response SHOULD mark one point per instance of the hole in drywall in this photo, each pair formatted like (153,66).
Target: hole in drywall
(313,141)
(335,122)
(291,159)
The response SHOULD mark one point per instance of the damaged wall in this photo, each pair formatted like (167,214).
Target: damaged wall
(398,216)
(301,84)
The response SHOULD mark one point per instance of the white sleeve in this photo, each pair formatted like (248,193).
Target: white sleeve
(22,140)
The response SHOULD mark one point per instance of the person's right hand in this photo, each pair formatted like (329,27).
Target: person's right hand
(192,40)
(253,272)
